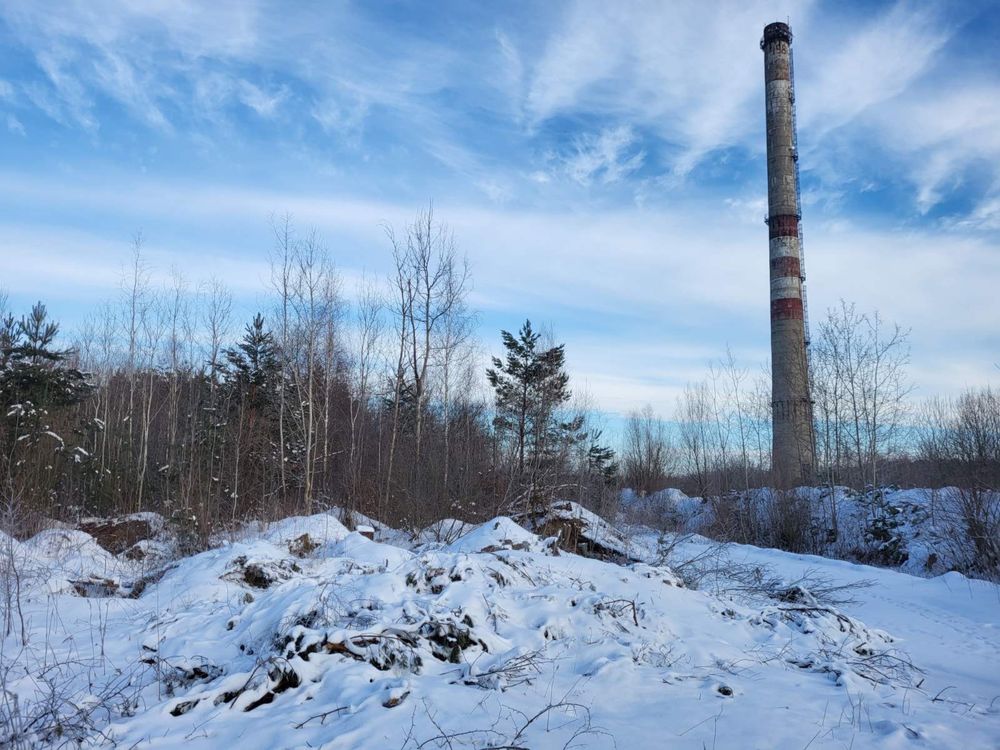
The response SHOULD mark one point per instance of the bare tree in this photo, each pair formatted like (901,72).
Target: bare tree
(694,418)
(282,269)
(429,286)
(332,354)
(154,323)
(737,408)
(453,353)
(217,321)
(312,274)
(648,456)
(368,332)
(862,387)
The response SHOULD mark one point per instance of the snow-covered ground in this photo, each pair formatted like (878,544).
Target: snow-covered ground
(304,634)
(918,531)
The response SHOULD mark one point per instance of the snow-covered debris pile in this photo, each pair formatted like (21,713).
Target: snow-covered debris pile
(580,530)
(71,561)
(845,647)
(370,527)
(491,641)
(920,531)
(119,535)
(499,534)
(302,535)
(144,538)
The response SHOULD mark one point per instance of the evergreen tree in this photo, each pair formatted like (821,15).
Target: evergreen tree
(408,398)
(253,365)
(39,429)
(601,459)
(250,434)
(530,386)
(33,373)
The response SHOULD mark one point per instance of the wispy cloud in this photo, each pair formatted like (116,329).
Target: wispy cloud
(673,286)
(605,157)
(944,133)
(14,125)
(870,64)
(611,152)
(687,71)
(132,54)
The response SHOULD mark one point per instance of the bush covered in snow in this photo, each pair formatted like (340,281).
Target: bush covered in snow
(921,531)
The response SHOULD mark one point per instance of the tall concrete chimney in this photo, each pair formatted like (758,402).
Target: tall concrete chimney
(793,447)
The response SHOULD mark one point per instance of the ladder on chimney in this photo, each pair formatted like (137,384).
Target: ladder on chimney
(798,198)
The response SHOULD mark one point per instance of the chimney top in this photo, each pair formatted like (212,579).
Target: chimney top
(776,31)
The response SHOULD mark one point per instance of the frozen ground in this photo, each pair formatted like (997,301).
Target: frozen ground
(304,634)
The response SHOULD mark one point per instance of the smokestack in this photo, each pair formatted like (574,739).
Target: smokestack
(793,448)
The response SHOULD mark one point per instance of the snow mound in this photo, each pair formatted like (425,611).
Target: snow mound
(445,531)
(319,529)
(359,548)
(362,644)
(669,497)
(59,558)
(122,534)
(501,533)
(356,520)
(668,508)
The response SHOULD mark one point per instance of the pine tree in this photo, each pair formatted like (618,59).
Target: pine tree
(601,459)
(530,386)
(252,381)
(33,373)
(39,429)
(253,365)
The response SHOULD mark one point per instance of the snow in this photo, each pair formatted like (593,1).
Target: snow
(353,643)
(669,506)
(59,557)
(925,532)
(949,625)
(321,528)
(500,533)
(356,546)
(589,526)
(445,531)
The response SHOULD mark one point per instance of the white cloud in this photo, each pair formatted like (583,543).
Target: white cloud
(687,76)
(689,71)
(867,65)
(941,133)
(146,56)
(644,299)
(334,117)
(496,191)
(14,125)
(512,69)
(606,157)
(264,103)
(986,214)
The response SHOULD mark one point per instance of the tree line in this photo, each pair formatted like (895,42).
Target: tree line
(869,430)
(378,401)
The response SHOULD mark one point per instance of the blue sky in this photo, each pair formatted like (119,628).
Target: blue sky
(600,163)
